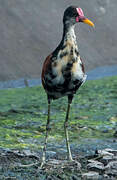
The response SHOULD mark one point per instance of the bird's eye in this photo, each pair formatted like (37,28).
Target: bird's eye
(74,13)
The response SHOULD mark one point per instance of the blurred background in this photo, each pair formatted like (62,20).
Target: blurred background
(30,30)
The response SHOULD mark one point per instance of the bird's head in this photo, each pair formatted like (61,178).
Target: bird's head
(73,15)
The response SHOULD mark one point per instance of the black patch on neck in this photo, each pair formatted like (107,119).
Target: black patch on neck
(71,52)
(63,54)
(76,51)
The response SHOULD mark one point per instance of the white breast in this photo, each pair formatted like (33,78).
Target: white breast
(77,72)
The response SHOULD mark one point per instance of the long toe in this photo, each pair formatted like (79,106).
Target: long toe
(70,158)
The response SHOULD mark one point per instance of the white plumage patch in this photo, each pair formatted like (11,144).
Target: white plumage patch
(77,70)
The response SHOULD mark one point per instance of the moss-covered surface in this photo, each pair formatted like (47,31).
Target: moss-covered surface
(23,114)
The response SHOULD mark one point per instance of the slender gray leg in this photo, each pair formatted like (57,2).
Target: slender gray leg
(69,155)
(46,136)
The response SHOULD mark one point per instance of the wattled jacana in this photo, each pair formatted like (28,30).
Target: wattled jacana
(63,70)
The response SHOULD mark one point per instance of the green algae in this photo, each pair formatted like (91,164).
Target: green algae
(23,114)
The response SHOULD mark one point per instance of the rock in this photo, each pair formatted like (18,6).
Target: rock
(104,152)
(106,159)
(90,175)
(111,168)
(64,164)
(95,166)
(54,162)
(74,177)
(107,155)
(106,176)
(106,165)
(113,151)
(92,161)
(73,165)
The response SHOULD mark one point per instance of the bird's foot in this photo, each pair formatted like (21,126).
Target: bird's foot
(74,163)
(69,158)
(69,155)
(42,164)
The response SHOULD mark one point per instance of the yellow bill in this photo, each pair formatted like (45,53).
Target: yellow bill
(87,21)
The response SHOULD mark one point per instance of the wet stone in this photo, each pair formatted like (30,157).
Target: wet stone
(104,152)
(105,176)
(64,164)
(90,175)
(105,163)
(95,166)
(74,177)
(113,151)
(111,168)
(106,159)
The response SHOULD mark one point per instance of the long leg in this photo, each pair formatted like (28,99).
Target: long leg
(69,155)
(46,136)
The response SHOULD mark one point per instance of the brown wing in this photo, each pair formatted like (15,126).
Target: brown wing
(46,67)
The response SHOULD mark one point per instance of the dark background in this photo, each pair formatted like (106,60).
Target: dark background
(31,29)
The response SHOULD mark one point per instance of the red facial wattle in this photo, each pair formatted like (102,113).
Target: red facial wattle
(80,14)
(77,19)
(82,18)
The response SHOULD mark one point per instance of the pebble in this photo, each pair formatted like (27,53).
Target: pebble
(105,165)
(95,166)
(90,175)
(111,168)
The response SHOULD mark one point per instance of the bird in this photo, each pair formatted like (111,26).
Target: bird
(63,70)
